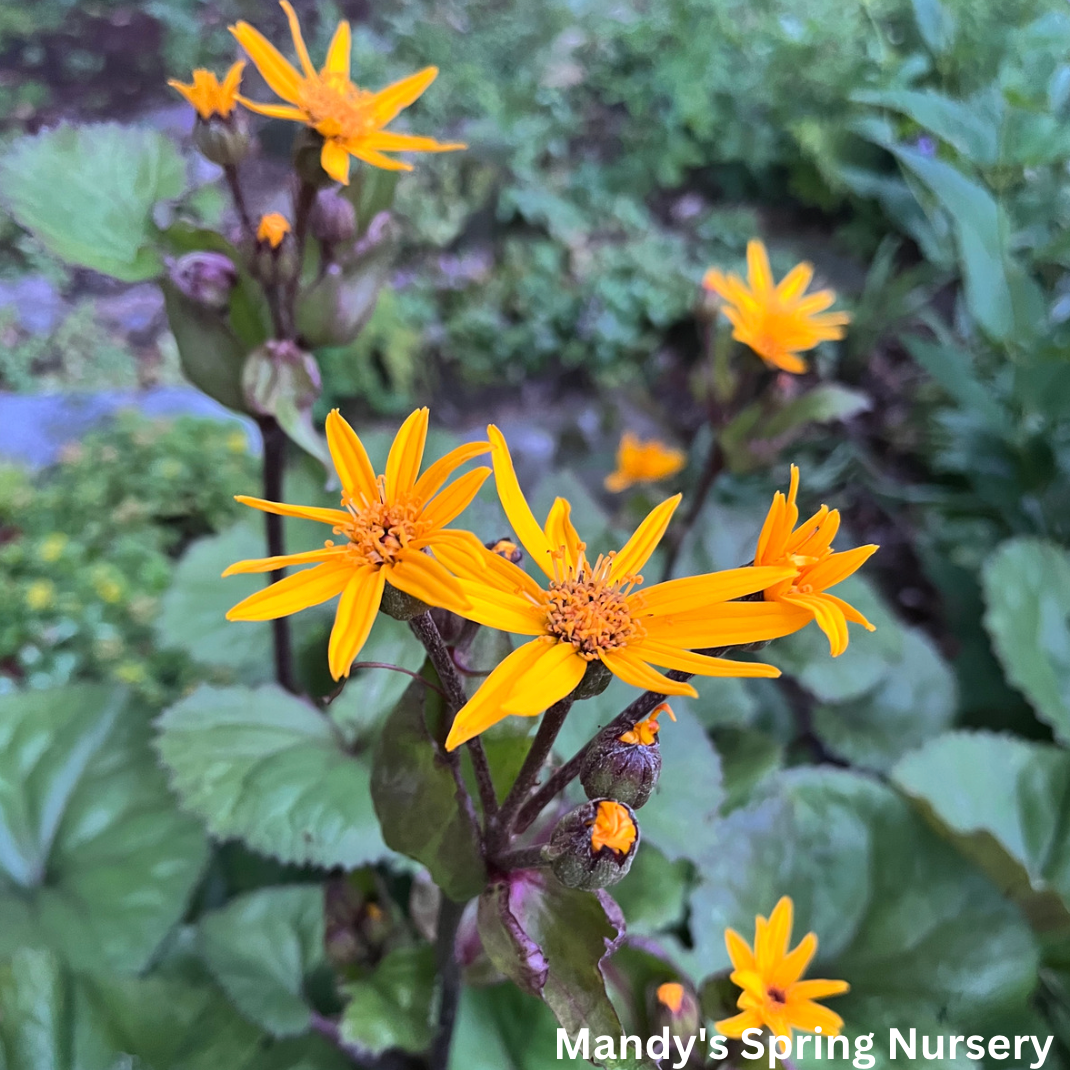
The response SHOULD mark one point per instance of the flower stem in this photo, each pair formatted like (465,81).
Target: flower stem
(540,749)
(231,174)
(522,858)
(274,463)
(449,974)
(427,632)
(713,467)
(303,201)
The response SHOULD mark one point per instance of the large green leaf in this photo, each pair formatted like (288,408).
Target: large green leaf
(265,767)
(261,948)
(95,859)
(392,1007)
(552,942)
(916,930)
(1003,800)
(415,795)
(1027,594)
(87,193)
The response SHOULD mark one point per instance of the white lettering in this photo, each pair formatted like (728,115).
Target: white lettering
(895,1038)
(582,1050)
(1042,1053)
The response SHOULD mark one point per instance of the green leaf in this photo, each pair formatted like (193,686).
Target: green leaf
(392,1007)
(261,947)
(415,795)
(653,896)
(912,926)
(95,859)
(33,1013)
(935,24)
(262,766)
(953,369)
(915,700)
(1002,800)
(552,941)
(370,694)
(1027,594)
(822,405)
(87,194)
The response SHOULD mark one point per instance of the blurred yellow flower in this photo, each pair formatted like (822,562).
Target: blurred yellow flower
(208,95)
(809,547)
(613,827)
(350,119)
(643,462)
(272,228)
(773,994)
(237,442)
(777,322)
(52,547)
(387,522)
(592,611)
(40,595)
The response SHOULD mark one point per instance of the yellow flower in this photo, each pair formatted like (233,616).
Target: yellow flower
(272,229)
(646,731)
(210,96)
(671,995)
(809,547)
(592,611)
(387,522)
(773,995)
(40,595)
(643,462)
(613,827)
(52,547)
(350,119)
(777,322)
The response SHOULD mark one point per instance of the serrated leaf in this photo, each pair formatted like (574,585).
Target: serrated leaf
(415,795)
(823,404)
(1003,800)
(95,859)
(913,927)
(262,766)
(87,194)
(391,1008)
(552,942)
(33,1013)
(261,947)
(1027,593)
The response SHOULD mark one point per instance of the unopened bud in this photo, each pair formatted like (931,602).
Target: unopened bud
(596,678)
(308,150)
(223,140)
(280,370)
(594,845)
(333,219)
(275,254)
(625,765)
(675,1006)
(206,278)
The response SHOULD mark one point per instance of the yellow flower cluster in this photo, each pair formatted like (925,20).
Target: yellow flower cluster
(350,120)
(394,529)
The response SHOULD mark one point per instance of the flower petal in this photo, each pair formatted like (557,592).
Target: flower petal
(334,517)
(277,71)
(371,156)
(444,467)
(672,657)
(552,677)
(794,283)
(735,1027)
(388,141)
(778,934)
(837,567)
(353,620)
(339,51)
(739,951)
(273,564)
(560,533)
(296,592)
(350,459)
(644,541)
(818,988)
(484,708)
(389,102)
(502,610)
(829,617)
(406,455)
(727,624)
(448,504)
(425,578)
(233,79)
(525,526)
(299,40)
(793,965)
(274,111)
(702,592)
(759,274)
(334,159)
(809,1017)
(633,670)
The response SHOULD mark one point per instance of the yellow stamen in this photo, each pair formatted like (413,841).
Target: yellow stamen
(381,529)
(612,827)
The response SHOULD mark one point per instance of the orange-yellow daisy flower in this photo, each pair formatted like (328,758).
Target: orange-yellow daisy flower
(777,322)
(208,95)
(643,462)
(809,547)
(272,229)
(594,611)
(773,994)
(350,119)
(387,522)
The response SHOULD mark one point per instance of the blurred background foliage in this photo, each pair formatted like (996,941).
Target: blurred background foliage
(911,795)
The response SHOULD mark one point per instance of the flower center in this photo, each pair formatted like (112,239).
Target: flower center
(337,107)
(380,530)
(777,995)
(586,608)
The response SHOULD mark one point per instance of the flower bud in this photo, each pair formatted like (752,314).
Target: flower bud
(275,254)
(223,140)
(205,278)
(676,1006)
(596,679)
(279,371)
(333,219)
(625,765)
(308,150)
(594,845)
